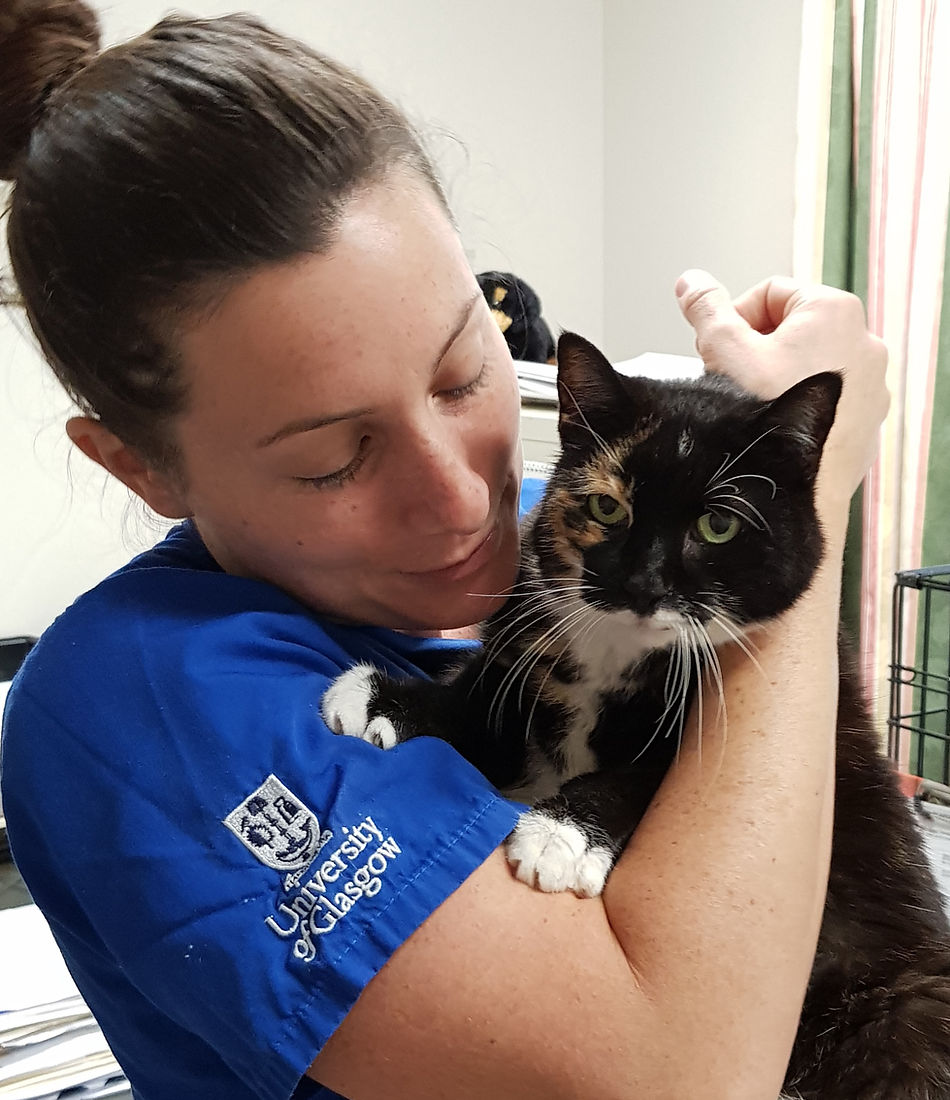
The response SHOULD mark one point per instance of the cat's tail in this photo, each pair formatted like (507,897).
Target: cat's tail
(886,1038)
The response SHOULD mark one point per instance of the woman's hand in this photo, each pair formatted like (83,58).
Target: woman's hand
(781,331)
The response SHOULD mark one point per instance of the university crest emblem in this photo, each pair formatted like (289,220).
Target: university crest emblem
(277,827)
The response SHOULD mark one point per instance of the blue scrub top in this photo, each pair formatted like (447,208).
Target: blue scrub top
(223,875)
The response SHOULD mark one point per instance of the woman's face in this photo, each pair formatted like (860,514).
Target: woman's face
(352,425)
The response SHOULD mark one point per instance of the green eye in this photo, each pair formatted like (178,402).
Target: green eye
(606,510)
(716,528)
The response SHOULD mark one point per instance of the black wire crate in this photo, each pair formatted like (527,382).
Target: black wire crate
(919,718)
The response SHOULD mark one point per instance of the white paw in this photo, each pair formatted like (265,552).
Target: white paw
(345,708)
(555,856)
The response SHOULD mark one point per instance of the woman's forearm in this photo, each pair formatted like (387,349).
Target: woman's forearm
(717,900)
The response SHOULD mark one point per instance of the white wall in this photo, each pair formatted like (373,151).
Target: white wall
(600,148)
(513,86)
(700,155)
(500,93)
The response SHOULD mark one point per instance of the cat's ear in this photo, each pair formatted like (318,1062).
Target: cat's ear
(804,414)
(588,388)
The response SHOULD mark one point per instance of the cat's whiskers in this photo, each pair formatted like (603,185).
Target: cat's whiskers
(718,601)
(510,590)
(522,625)
(732,631)
(728,462)
(762,524)
(528,609)
(566,625)
(522,668)
(674,687)
(537,698)
(700,697)
(594,621)
(525,614)
(540,592)
(760,477)
(692,652)
(722,466)
(531,656)
(715,670)
(682,657)
(712,670)
(509,620)
(671,669)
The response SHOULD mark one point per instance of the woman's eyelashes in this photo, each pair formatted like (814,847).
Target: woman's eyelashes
(459,393)
(343,475)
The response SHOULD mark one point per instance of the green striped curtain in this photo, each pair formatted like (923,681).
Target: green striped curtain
(885,238)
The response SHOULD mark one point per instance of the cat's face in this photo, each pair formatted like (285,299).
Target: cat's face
(683,501)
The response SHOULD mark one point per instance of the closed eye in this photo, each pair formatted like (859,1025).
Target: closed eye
(341,476)
(459,393)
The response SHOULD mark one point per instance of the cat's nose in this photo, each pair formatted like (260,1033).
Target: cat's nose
(645,594)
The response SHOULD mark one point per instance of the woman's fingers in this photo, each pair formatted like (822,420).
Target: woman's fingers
(766,305)
(723,336)
(781,331)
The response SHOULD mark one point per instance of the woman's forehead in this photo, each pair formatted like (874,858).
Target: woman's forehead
(388,291)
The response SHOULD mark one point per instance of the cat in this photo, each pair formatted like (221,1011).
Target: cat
(679,516)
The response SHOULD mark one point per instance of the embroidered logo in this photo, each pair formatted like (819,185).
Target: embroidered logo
(355,870)
(277,827)
(283,834)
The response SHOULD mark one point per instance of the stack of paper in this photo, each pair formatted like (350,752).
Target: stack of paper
(933,820)
(49,1041)
(4,846)
(537,382)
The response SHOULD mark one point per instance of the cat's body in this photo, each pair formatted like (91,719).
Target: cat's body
(680,516)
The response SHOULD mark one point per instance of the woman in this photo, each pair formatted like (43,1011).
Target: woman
(222,241)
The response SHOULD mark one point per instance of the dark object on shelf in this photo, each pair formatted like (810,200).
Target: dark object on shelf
(933,793)
(517,309)
(920,672)
(13,652)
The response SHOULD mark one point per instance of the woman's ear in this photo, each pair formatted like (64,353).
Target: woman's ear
(160,491)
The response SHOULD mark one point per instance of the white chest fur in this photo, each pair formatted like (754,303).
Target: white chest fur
(608,646)
(613,645)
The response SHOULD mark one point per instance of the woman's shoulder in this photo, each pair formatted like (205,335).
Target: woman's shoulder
(169,668)
(154,617)
(173,598)
(175,576)
(172,625)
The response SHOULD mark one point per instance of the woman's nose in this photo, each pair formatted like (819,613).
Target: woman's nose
(443,490)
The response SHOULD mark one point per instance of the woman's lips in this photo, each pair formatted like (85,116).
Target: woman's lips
(482,554)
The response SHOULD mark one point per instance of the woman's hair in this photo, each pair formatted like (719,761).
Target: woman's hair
(150,176)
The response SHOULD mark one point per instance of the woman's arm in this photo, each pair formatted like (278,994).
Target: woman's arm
(687,977)
(738,838)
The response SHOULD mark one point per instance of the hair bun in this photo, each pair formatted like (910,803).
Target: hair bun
(42,43)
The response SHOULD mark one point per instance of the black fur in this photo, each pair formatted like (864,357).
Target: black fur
(876,1020)
(517,309)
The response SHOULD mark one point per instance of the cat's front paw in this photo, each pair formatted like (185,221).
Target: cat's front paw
(554,854)
(347,707)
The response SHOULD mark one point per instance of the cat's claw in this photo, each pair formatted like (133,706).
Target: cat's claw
(346,704)
(554,855)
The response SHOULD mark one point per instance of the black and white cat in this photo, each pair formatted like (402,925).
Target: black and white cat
(680,516)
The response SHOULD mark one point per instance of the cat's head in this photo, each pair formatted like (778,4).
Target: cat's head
(683,500)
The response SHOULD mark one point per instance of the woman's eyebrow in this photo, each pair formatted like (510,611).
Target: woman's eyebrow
(309,423)
(464,316)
